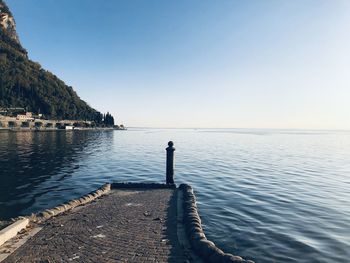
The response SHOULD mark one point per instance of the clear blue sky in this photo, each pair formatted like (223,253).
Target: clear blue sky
(254,64)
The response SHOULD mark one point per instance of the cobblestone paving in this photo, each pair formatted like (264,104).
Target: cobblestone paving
(123,226)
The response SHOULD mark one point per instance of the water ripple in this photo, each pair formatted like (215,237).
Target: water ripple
(268,195)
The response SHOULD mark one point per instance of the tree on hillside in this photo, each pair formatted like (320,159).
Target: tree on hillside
(24,83)
(108,119)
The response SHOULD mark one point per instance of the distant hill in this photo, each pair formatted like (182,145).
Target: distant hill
(24,83)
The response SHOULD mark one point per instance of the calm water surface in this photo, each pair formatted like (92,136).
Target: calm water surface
(268,195)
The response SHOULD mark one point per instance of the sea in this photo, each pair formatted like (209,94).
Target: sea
(266,195)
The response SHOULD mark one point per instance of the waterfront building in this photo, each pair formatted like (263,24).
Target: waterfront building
(28,116)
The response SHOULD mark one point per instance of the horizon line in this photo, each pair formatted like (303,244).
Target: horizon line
(235,128)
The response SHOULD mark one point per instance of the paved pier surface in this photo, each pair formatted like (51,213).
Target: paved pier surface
(122,226)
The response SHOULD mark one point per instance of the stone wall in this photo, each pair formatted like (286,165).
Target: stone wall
(200,244)
(48,213)
(204,248)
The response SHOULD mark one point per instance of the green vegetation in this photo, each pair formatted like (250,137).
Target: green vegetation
(24,83)
(108,119)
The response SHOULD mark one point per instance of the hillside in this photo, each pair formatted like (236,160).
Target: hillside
(24,83)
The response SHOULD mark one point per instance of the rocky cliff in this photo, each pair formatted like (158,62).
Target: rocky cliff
(7,22)
(24,83)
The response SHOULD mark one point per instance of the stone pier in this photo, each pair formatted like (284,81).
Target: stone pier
(118,223)
(126,225)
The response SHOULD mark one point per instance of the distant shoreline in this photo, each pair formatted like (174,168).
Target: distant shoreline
(54,129)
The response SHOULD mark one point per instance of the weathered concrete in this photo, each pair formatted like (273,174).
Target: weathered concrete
(125,225)
(12,230)
(16,242)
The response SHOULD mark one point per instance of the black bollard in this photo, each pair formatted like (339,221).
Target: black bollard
(170,163)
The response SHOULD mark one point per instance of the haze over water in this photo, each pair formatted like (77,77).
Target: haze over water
(267,195)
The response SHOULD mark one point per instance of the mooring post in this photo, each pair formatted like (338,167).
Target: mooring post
(170,163)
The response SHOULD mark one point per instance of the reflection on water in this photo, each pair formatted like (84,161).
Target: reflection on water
(268,195)
(34,165)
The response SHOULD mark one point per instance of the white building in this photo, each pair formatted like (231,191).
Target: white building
(25,117)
